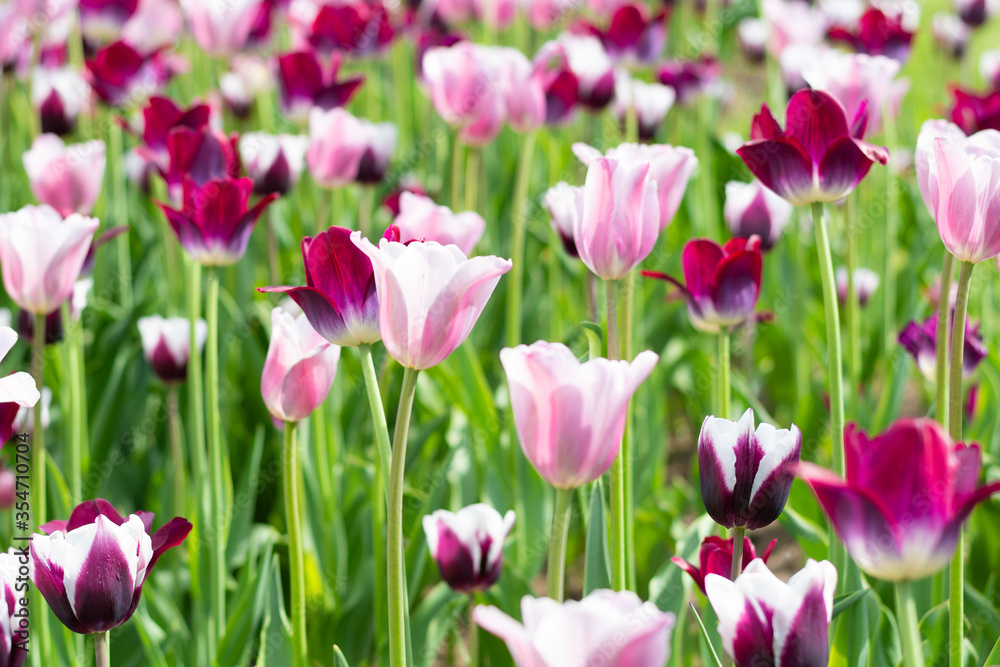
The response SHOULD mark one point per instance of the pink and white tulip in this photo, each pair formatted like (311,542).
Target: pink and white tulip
(343,149)
(17,391)
(273,162)
(860,81)
(866,283)
(468,545)
(564,202)
(466,87)
(420,219)
(951,34)
(15,619)
(221,27)
(67,178)
(166,344)
(59,95)
(651,101)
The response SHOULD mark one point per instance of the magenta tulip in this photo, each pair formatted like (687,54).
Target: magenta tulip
(859,81)
(161,116)
(877,33)
(816,158)
(906,495)
(764,621)
(273,162)
(634,35)
(406,184)
(220,27)
(606,629)
(214,225)
(690,78)
(467,89)
(570,416)
(975,113)
(306,83)
(959,180)
(59,95)
(299,368)
(67,178)
(15,632)
(166,344)
(579,70)
(121,75)
(753,210)
(199,156)
(17,391)
(91,569)
(468,545)
(564,203)
(42,255)
(716,557)
(340,299)
(920,340)
(357,27)
(430,296)
(651,102)
(420,219)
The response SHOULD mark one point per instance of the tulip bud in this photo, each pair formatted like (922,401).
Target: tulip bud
(564,203)
(753,210)
(651,102)
(865,284)
(59,95)
(67,178)
(920,340)
(166,344)
(274,162)
(716,557)
(468,545)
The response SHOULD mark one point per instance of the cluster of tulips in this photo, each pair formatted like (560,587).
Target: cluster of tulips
(147,88)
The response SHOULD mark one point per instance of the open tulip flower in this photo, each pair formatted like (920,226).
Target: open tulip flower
(91,569)
(818,157)
(606,629)
(305,83)
(579,70)
(633,36)
(716,557)
(570,416)
(356,27)
(920,340)
(906,495)
(299,368)
(877,33)
(975,113)
(17,391)
(723,282)
(166,344)
(468,545)
(764,621)
(689,79)
(121,75)
(67,178)
(858,80)
(200,155)
(420,219)
(160,117)
(753,210)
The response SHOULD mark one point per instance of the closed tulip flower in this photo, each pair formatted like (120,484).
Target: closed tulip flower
(160,117)
(651,102)
(920,340)
(343,149)
(590,70)
(608,628)
(430,296)
(166,344)
(496,13)
(564,202)
(15,632)
(42,254)
(468,545)
(59,95)
(91,569)
(67,178)
(466,87)
(17,391)
(220,27)
(753,210)
(745,472)
(274,162)
(379,143)
(524,91)
(570,416)
(420,219)
(200,155)
(716,557)
(865,284)
(764,621)
(299,368)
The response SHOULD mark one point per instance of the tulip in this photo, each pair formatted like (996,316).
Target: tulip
(975,113)
(420,219)
(24,422)
(975,12)
(220,27)
(816,158)
(448,12)
(793,23)
(343,148)
(122,76)
(989,68)
(906,494)
(237,97)
(753,210)
(161,116)
(430,37)
(859,81)
(17,390)
(651,101)
(877,33)
(305,83)
(299,368)
(959,181)
(605,628)
(42,254)
(764,621)
(378,145)
(156,25)
(166,344)
(633,36)
(951,34)
(406,184)
(690,78)
(570,416)
(274,162)
(14,633)
(497,14)
(91,598)
(430,296)
(214,225)
(793,60)
(583,72)
(340,298)
(545,14)
(920,340)
(67,178)
(754,33)
(58,95)
(865,283)
(357,27)
(466,87)
(101,21)
(716,557)
(524,91)
(723,282)
(468,545)
(564,203)
(200,156)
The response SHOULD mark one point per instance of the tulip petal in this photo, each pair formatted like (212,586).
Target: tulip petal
(842,168)
(816,119)
(764,126)
(744,626)
(321,312)
(87,512)
(511,632)
(47,575)
(735,285)
(782,165)
(802,640)
(170,535)
(700,259)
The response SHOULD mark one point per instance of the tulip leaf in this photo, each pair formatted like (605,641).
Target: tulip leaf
(705,637)
(844,602)
(596,572)
(994,656)
(338,657)
(595,338)
(276,631)
(805,531)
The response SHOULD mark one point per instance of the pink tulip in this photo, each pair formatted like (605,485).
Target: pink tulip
(496,13)
(447,12)
(299,368)
(794,22)
(716,557)
(691,79)
(155,25)
(523,90)
(959,180)
(420,219)
(466,86)
(101,21)
(42,254)
(274,162)
(570,416)
(67,178)
(17,391)
(59,95)
(430,296)
(605,629)
(545,14)
(860,81)
(220,27)
(343,148)
(865,284)
(564,203)
(751,209)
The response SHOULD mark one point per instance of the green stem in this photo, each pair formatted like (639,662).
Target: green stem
(121,215)
(556,576)
(851,309)
(366,202)
(378,414)
(76,402)
(215,453)
(177,450)
(617,522)
(956,597)
(473,634)
(628,439)
(943,341)
(296,562)
(396,577)
(724,374)
(472,179)
(273,251)
(38,464)
(892,220)
(457,153)
(737,566)
(909,632)
(102,649)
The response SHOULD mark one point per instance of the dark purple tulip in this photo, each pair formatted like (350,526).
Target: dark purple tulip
(161,116)
(690,78)
(973,12)
(753,210)
(274,162)
(745,474)
(468,545)
(357,27)
(306,83)
(120,75)
(817,157)
(339,298)
(101,19)
(214,224)
(920,340)
(876,34)
(634,35)
(200,155)
(59,95)
(102,560)
(716,557)
(974,113)
(166,344)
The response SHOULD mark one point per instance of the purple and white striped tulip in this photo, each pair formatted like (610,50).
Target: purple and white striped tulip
(764,621)
(468,545)
(273,162)
(14,617)
(745,472)
(166,344)
(751,209)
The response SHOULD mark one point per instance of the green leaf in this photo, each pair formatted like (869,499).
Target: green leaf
(596,572)
(338,657)
(994,657)
(844,602)
(805,531)
(705,637)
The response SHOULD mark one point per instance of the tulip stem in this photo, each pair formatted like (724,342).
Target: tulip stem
(124,277)
(397,591)
(38,463)
(296,567)
(724,375)
(473,633)
(176,450)
(472,180)
(366,204)
(956,595)
(906,617)
(457,153)
(273,250)
(851,307)
(102,649)
(76,402)
(628,440)
(737,566)
(617,536)
(943,341)
(556,576)
(215,453)
(378,414)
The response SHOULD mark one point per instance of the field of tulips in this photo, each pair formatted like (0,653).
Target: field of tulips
(553,333)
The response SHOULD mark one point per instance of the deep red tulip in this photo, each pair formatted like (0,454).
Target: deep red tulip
(161,115)
(306,83)
(634,34)
(358,27)
(578,70)
(877,34)
(973,112)
(200,155)
(120,75)
(716,557)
